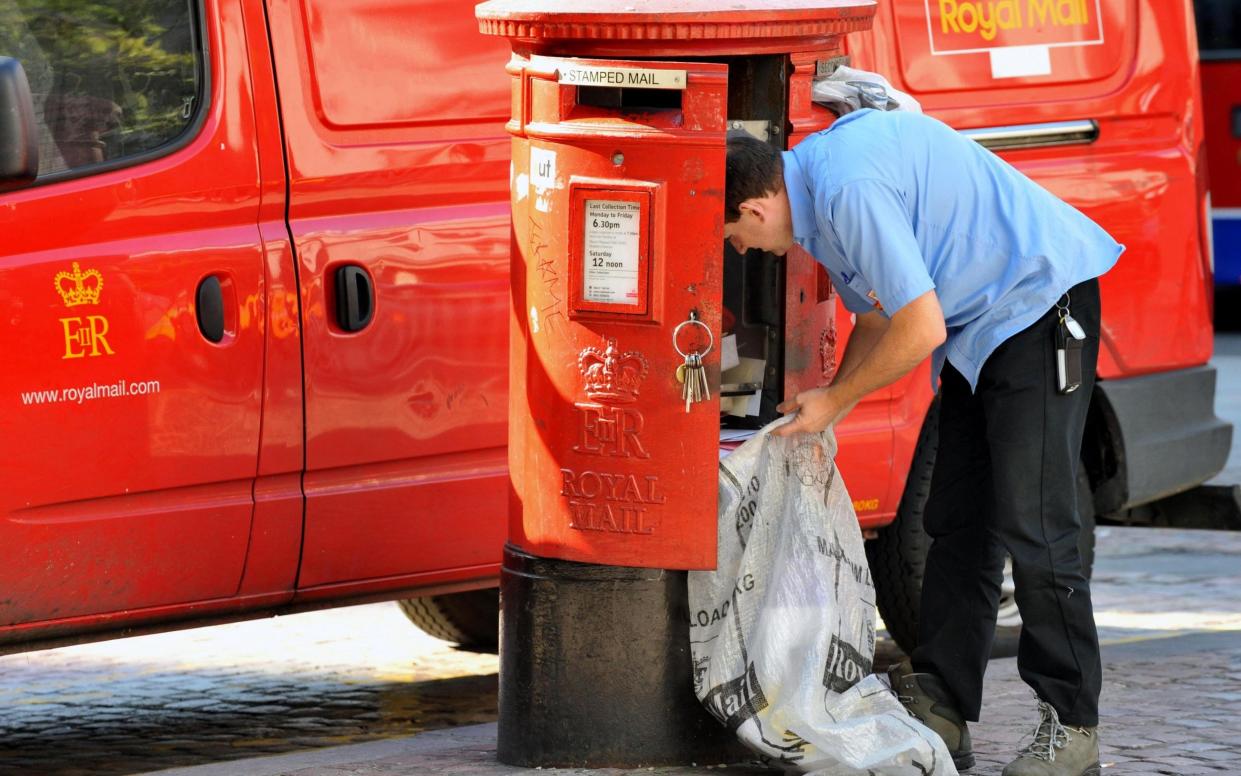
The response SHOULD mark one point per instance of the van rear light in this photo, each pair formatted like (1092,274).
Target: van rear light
(1208,235)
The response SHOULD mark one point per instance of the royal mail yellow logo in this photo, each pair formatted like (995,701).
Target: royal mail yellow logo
(84,336)
(961,26)
(79,287)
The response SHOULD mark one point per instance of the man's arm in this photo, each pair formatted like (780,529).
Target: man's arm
(866,334)
(885,353)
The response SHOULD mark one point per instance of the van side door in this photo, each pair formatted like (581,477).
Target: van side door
(131,287)
(393,115)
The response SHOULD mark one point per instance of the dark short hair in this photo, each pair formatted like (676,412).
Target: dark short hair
(754,170)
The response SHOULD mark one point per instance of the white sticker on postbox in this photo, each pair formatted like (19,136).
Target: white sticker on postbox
(542,168)
(611,251)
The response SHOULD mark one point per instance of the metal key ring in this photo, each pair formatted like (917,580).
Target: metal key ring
(1063,309)
(682,325)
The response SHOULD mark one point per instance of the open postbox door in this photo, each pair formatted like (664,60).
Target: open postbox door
(618,215)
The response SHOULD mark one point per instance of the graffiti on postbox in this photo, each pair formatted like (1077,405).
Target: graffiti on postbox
(609,427)
(965,26)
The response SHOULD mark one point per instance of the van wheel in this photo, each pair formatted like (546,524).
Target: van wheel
(898,555)
(471,620)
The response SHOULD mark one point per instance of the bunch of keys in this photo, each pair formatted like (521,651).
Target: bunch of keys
(692,374)
(693,378)
(1070,341)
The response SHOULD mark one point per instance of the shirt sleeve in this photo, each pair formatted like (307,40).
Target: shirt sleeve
(853,302)
(875,236)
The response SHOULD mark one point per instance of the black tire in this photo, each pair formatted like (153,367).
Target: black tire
(471,620)
(898,555)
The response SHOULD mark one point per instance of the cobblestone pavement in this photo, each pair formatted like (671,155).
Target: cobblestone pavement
(1163,715)
(289,683)
(1167,605)
(1170,619)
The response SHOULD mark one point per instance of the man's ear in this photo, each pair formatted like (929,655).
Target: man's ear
(755,207)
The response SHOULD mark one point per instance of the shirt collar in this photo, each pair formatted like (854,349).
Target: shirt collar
(801,204)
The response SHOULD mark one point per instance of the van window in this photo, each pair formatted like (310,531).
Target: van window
(1219,26)
(110,78)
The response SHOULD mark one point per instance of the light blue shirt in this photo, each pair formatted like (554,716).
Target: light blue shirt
(896,204)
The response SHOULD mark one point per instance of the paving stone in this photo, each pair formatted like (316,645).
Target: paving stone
(1193,723)
(1198,746)
(1225,755)
(1120,742)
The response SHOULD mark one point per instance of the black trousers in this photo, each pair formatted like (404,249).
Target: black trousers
(1005,480)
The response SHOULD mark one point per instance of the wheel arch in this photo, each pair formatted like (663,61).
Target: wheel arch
(1103,454)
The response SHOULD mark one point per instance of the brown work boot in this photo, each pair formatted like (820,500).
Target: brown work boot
(928,700)
(1056,749)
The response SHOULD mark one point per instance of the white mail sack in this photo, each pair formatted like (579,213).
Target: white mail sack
(783,631)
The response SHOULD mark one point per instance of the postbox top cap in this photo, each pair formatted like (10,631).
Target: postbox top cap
(671,20)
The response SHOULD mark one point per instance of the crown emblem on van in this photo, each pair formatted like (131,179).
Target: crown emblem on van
(612,377)
(79,287)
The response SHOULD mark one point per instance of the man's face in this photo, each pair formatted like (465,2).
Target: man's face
(765,223)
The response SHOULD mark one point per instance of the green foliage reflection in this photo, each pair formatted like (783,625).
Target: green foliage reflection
(110,78)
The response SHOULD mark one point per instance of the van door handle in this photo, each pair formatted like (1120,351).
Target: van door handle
(209,309)
(355,298)
(1053,133)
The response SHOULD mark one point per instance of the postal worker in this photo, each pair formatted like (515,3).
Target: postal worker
(942,249)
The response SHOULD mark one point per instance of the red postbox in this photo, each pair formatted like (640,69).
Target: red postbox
(624,293)
(620,114)
(618,218)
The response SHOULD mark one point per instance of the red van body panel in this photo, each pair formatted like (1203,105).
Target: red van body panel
(131,442)
(297,463)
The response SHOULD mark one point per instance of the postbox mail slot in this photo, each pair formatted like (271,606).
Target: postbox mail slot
(609,248)
(670,97)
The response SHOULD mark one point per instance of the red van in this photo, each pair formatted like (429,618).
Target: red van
(257,312)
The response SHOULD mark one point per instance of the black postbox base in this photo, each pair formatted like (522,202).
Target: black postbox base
(595,669)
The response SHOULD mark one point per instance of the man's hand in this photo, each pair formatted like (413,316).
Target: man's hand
(816,409)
